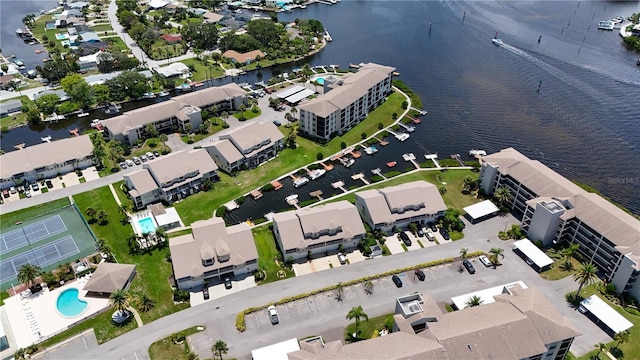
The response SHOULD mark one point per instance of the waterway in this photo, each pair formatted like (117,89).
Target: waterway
(583,121)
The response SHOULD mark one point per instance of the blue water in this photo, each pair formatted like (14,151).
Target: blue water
(147,225)
(69,305)
(320,81)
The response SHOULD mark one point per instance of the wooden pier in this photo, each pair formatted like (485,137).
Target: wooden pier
(19,146)
(339,185)
(360,177)
(355,153)
(458,159)
(256,194)
(410,157)
(74,132)
(292,200)
(382,142)
(327,167)
(316,194)
(276,185)
(378,172)
(434,158)
(420,111)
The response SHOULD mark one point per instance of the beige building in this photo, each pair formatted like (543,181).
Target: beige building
(175,113)
(171,178)
(247,147)
(398,206)
(318,229)
(554,210)
(45,160)
(212,251)
(520,325)
(345,102)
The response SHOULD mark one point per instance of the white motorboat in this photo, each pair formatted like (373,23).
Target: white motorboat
(617,20)
(95,122)
(349,163)
(46,138)
(300,181)
(402,137)
(477,152)
(317,173)
(497,42)
(606,25)
(163,93)
(371,150)
(111,110)
(149,95)
(83,114)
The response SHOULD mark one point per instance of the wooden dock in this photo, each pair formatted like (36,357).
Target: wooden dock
(74,132)
(19,146)
(378,172)
(458,159)
(327,167)
(410,157)
(339,185)
(316,194)
(382,142)
(256,194)
(434,158)
(355,153)
(360,177)
(276,185)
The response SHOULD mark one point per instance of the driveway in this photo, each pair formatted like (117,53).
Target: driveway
(394,244)
(217,290)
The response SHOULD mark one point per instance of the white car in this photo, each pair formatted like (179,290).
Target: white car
(273,315)
(342,258)
(129,163)
(485,261)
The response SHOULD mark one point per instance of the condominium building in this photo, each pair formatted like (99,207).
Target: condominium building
(521,324)
(346,101)
(45,160)
(398,206)
(170,178)
(554,210)
(176,113)
(318,229)
(212,251)
(247,147)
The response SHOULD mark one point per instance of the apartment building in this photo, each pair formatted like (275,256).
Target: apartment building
(45,160)
(398,206)
(554,210)
(318,229)
(212,251)
(347,101)
(176,113)
(170,178)
(247,147)
(522,324)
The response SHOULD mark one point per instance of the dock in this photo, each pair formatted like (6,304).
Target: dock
(256,194)
(292,200)
(420,111)
(19,146)
(354,66)
(457,158)
(231,205)
(316,194)
(407,127)
(74,132)
(400,137)
(276,185)
(378,172)
(339,185)
(355,153)
(327,167)
(410,157)
(360,177)
(382,142)
(413,120)
(433,157)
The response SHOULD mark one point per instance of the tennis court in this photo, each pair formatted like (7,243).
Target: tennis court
(49,240)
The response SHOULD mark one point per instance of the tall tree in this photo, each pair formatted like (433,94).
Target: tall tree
(586,275)
(90,211)
(357,313)
(495,254)
(503,195)
(47,103)
(102,217)
(621,337)
(219,348)
(78,90)
(119,299)
(339,291)
(368,287)
(475,300)
(600,347)
(567,253)
(163,140)
(28,273)
(463,254)
(151,130)
(145,302)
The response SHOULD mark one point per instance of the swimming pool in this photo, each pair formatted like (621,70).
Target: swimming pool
(147,225)
(320,80)
(69,305)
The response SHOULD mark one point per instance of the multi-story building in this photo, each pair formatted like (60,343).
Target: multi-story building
(175,113)
(346,101)
(170,178)
(46,160)
(212,251)
(248,146)
(318,229)
(554,210)
(398,206)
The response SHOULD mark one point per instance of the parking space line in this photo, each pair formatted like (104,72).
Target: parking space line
(381,284)
(356,290)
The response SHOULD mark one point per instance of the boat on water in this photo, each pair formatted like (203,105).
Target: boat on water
(617,19)
(391,164)
(300,181)
(149,95)
(83,114)
(303,6)
(184,87)
(54,118)
(402,137)
(163,93)
(291,198)
(19,63)
(476,152)
(317,173)
(349,162)
(371,150)
(497,42)
(95,123)
(111,110)
(638,62)
(19,31)
(46,138)
(606,25)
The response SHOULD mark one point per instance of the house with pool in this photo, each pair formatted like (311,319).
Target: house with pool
(171,178)
(212,252)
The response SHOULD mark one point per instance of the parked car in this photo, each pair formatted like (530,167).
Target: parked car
(227,283)
(467,264)
(277,122)
(273,315)
(5,193)
(27,193)
(342,258)
(129,163)
(420,232)
(430,235)
(156,154)
(420,274)
(445,233)
(34,186)
(405,238)
(12,190)
(123,165)
(484,260)
(137,160)
(49,184)
(150,155)
(143,158)
(205,293)
(397,281)
(434,227)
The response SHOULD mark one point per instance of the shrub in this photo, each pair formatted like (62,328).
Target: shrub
(319,156)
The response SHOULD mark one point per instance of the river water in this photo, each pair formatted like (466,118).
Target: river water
(583,122)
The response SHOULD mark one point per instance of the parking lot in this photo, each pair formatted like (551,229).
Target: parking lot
(327,262)
(56,183)
(217,289)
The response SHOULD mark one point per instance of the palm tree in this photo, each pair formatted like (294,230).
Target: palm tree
(503,195)
(28,274)
(163,140)
(621,337)
(356,313)
(213,110)
(120,300)
(475,300)
(567,253)
(124,211)
(91,212)
(102,217)
(339,291)
(224,116)
(495,253)
(600,347)
(219,348)
(587,274)
(294,111)
(134,245)
(99,152)
(368,287)
(161,235)
(463,254)
(145,302)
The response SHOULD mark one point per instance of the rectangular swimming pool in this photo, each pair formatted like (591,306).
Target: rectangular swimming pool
(147,225)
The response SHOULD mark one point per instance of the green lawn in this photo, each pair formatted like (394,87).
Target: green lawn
(102,326)
(556,272)
(167,349)
(19,119)
(213,128)
(152,144)
(160,50)
(248,114)
(117,43)
(11,218)
(203,72)
(102,28)
(368,329)
(122,195)
(267,253)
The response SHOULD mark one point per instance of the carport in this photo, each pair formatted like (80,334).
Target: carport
(295,98)
(532,255)
(290,91)
(605,313)
(481,211)
(276,351)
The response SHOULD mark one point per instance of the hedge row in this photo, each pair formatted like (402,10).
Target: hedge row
(240,318)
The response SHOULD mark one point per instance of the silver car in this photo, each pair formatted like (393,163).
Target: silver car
(485,260)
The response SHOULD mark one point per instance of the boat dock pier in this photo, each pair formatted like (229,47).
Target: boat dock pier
(355,153)
(400,137)
(360,177)
(378,172)
(414,120)
(276,185)
(382,142)
(20,146)
(339,185)
(335,68)
(316,194)
(458,159)
(407,127)
(411,158)
(327,167)
(420,111)
(256,194)
(293,201)
(74,132)
(433,157)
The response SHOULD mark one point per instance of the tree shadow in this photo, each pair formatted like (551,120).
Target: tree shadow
(616,352)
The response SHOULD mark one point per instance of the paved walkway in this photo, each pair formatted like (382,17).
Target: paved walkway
(136,316)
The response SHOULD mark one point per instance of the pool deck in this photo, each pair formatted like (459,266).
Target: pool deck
(34,317)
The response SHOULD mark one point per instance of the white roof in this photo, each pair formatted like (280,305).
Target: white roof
(290,91)
(157,3)
(606,314)
(176,68)
(481,209)
(532,252)
(277,351)
(169,217)
(299,96)
(487,295)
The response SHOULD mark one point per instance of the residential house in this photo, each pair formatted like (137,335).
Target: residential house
(347,101)
(243,58)
(10,107)
(175,113)
(397,206)
(170,178)
(61,94)
(5,81)
(212,252)
(247,147)
(172,38)
(89,62)
(211,17)
(45,160)
(318,230)
(553,209)
(173,70)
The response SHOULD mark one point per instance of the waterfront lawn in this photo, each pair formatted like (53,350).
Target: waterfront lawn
(11,218)
(267,253)
(19,119)
(203,72)
(368,329)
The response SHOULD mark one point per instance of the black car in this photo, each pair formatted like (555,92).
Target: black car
(397,281)
(277,123)
(420,232)
(156,154)
(49,184)
(205,293)
(420,274)
(467,264)
(227,283)
(434,227)
(405,238)
(445,234)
